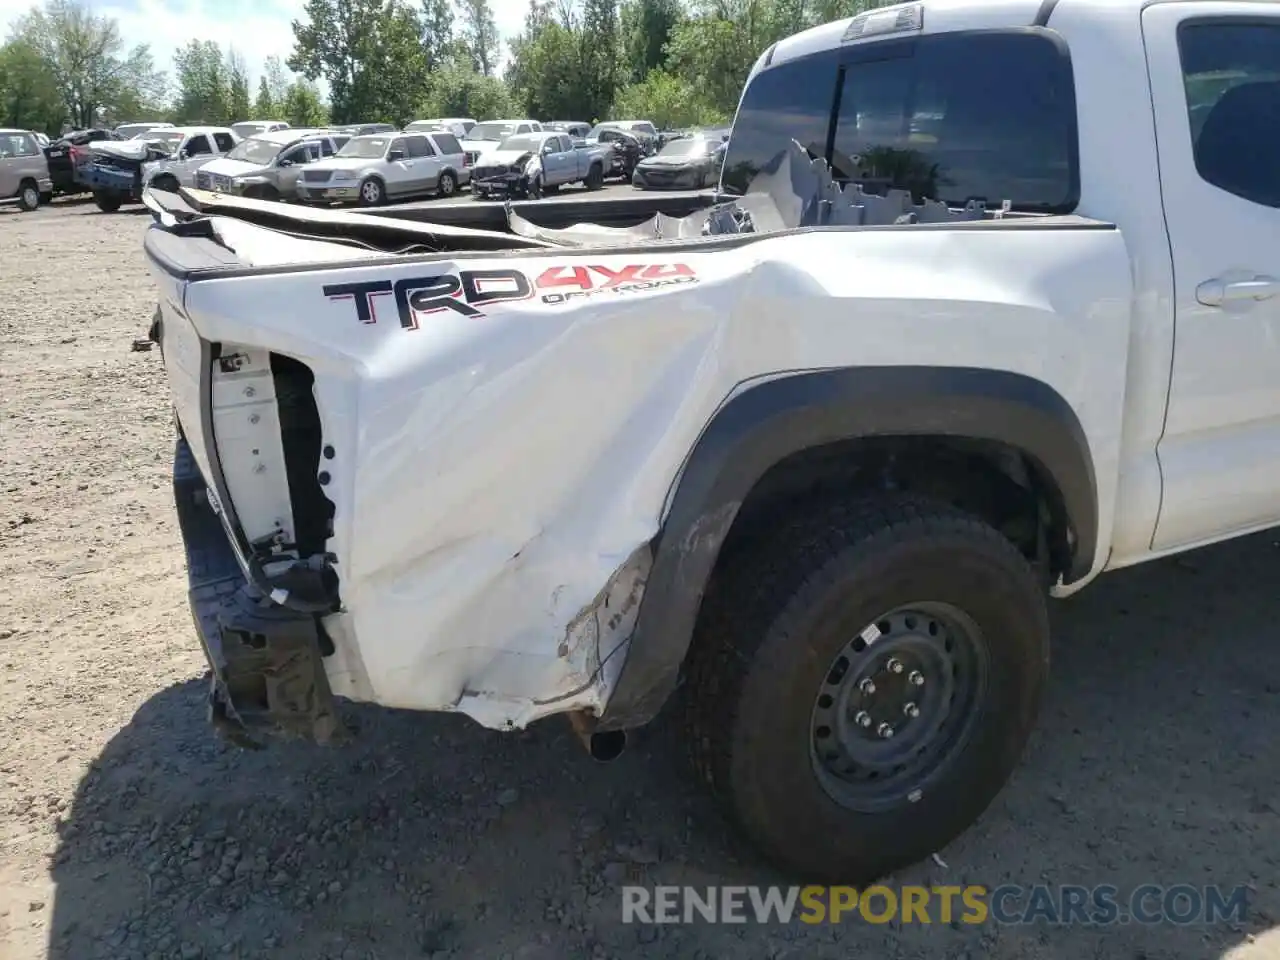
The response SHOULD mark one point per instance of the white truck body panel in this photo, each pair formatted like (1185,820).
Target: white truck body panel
(462,582)
(499,476)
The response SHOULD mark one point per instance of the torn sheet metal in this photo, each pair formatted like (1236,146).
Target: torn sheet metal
(795,190)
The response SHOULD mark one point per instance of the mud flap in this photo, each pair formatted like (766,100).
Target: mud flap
(267,667)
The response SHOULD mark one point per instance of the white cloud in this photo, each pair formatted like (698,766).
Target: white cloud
(257,29)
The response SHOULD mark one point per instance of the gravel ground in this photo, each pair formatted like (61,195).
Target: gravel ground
(127,831)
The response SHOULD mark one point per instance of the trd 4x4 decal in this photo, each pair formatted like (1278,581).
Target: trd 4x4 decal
(467,291)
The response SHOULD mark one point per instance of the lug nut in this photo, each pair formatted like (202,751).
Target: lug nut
(885,731)
(916,678)
(894,665)
(867,686)
(911,710)
(862,719)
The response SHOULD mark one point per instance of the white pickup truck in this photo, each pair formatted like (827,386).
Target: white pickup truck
(824,473)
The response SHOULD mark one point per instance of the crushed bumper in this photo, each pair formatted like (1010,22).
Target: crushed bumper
(268,677)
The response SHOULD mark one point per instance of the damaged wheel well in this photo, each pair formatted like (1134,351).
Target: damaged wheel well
(992,480)
(1001,445)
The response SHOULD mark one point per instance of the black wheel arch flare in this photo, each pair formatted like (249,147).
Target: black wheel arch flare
(767,422)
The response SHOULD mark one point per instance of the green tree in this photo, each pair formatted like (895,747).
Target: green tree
(92,71)
(28,90)
(369,51)
(645,26)
(238,106)
(264,107)
(302,107)
(437,32)
(598,55)
(456,90)
(668,102)
(204,84)
(480,35)
(545,72)
(277,78)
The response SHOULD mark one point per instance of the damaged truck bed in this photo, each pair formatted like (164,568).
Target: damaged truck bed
(445,474)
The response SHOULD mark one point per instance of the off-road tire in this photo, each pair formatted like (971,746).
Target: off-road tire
(447,185)
(28,196)
(595,177)
(107,201)
(373,192)
(778,613)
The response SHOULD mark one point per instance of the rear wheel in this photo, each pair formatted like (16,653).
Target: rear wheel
(28,195)
(107,201)
(595,177)
(448,184)
(863,683)
(535,187)
(372,192)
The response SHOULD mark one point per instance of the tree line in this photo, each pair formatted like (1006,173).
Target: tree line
(675,62)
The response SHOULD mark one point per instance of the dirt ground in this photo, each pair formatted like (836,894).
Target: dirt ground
(127,831)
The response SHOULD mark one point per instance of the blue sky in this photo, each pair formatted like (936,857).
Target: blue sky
(256,28)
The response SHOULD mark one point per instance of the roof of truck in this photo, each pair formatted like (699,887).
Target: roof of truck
(940,16)
(290,134)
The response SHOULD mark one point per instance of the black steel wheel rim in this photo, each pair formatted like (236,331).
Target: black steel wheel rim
(897,705)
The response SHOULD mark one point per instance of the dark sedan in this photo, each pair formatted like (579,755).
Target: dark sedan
(690,163)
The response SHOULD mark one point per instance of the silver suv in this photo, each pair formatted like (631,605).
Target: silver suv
(374,169)
(269,165)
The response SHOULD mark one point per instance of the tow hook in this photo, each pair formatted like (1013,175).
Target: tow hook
(603,745)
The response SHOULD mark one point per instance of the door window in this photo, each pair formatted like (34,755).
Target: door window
(299,155)
(1231,72)
(524,128)
(224,141)
(198,146)
(398,144)
(420,146)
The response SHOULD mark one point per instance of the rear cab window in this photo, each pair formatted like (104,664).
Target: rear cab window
(982,115)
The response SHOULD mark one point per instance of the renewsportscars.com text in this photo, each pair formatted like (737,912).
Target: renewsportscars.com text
(1182,904)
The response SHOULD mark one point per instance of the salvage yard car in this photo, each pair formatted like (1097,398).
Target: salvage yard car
(166,158)
(268,166)
(485,136)
(372,170)
(531,163)
(24,171)
(816,456)
(688,163)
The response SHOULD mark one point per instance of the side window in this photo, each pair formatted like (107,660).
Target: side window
(564,144)
(1231,72)
(224,141)
(447,143)
(340,141)
(420,146)
(198,146)
(27,145)
(399,144)
(647,128)
(536,127)
(326,148)
(523,128)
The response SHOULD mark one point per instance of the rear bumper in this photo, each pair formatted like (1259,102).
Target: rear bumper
(266,662)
